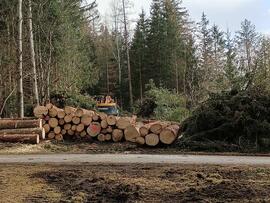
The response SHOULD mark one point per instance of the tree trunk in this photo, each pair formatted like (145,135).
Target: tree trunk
(25,138)
(32,48)
(13,124)
(20,68)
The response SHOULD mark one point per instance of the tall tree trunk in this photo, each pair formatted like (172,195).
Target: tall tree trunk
(127,53)
(32,48)
(49,67)
(20,68)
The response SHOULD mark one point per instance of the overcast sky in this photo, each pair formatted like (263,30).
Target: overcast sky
(225,13)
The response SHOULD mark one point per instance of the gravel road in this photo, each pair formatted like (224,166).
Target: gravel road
(135,159)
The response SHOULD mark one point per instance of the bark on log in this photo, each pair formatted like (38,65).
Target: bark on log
(13,124)
(25,138)
(117,135)
(111,120)
(39,131)
(169,134)
(40,111)
(94,129)
(86,119)
(53,122)
(140,140)
(151,140)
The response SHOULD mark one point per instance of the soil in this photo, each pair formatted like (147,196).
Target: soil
(133,183)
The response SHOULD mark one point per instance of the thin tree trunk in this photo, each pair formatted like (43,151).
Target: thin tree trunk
(49,67)
(127,53)
(32,48)
(20,68)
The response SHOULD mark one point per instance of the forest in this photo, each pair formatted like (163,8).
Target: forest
(64,49)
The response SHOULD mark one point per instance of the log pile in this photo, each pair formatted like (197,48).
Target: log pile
(80,124)
(22,130)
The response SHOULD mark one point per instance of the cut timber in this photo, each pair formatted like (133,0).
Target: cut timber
(69,110)
(86,119)
(80,128)
(70,132)
(140,140)
(25,138)
(151,140)
(61,113)
(144,130)
(13,124)
(95,117)
(122,123)
(111,120)
(39,131)
(83,133)
(103,131)
(61,121)
(94,129)
(67,126)
(47,128)
(53,122)
(40,111)
(104,124)
(74,127)
(108,137)
(59,137)
(109,129)
(79,112)
(57,130)
(68,118)
(102,115)
(63,131)
(76,120)
(101,137)
(157,127)
(51,135)
(53,112)
(169,134)
(131,133)
(49,106)
(117,135)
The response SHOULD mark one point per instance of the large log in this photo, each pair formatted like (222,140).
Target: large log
(151,140)
(157,127)
(25,138)
(111,120)
(117,135)
(13,124)
(169,134)
(40,111)
(39,131)
(53,122)
(122,123)
(131,133)
(86,119)
(94,129)
(140,140)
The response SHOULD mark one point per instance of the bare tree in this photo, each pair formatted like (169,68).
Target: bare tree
(20,68)
(32,49)
(127,54)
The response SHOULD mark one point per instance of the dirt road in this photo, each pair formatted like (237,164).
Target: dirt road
(136,159)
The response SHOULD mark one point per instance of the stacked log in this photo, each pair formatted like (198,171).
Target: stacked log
(22,130)
(77,123)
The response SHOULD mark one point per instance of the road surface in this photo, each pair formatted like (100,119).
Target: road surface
(134,159)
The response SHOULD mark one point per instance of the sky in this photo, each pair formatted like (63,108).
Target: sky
(224,13)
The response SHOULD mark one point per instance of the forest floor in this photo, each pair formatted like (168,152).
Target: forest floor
(133,183)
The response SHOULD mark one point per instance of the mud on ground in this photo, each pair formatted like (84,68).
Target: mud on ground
(133,183)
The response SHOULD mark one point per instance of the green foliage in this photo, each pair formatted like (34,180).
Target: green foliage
(170,106)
